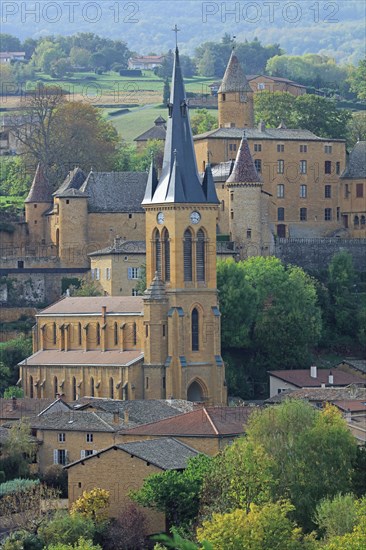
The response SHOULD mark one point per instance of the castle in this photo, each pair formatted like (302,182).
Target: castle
(165,344)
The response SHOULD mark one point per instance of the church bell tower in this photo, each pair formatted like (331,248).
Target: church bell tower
(181,315)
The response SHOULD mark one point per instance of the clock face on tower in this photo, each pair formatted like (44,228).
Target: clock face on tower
(195,217)
(160,217)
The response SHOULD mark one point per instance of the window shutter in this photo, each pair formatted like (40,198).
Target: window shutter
(94,451)
(82,453)
(129,272)
(55,456)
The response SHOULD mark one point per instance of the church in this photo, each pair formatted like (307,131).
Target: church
(165,344)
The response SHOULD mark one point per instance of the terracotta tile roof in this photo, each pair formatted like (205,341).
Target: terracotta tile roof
(302,379)
(93,305)
(321,395)
(22,407)
(350,405)
(165,453)
(80,357)
(206,421)
(244,170)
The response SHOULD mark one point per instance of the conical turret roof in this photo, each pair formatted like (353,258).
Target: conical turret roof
(41,190)
(179,181)
(234,78)
(156,290)
(244,170)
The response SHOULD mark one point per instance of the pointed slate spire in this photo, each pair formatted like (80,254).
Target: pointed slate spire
(152,182)
(179,180)
(244,170)
(234,78)
(41,190)
(208,185)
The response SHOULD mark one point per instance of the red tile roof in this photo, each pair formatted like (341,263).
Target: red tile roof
(13,409)
(79,357)
(205,421)
(93,305)
(351,405)
(301,378)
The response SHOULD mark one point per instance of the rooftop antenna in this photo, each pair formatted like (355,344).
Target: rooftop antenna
(176,30)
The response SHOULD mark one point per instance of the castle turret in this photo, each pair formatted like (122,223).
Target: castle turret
(38,201)
(181,215)
(235,97)
(247,203)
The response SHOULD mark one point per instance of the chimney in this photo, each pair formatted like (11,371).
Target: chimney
(126,416)
(313,372)
(330,378)
(262,126)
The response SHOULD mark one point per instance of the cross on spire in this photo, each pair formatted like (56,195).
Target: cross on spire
(176,30)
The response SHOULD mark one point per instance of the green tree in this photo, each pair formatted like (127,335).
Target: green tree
(81,544)
(266,527)
(8,81)
(312,453)
(12,352)
(357,79)
(80,57)
(14,177)
(92,504)
(13,391)
(321,116)
(87,288)
(66,529)
(9,43)
(337,516)
(342,285)
(356,128)
(355,540)
(45,54)
(273,108)
(175,493)
(202,121)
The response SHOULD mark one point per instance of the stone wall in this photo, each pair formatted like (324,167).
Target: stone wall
(316,254)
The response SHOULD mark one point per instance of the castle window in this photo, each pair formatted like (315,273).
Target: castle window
(73,388)
(98,334)
(111,388)
(35,222)
(79,334)
(359,190)
(92,387)
(338,168)
(164,330)
(303,191)
(346,190)
(134,292)
(328,167)
(115,334)
(54,333)
(108,273)
(280,148)
(328,149)
(187,255)
(280,214)
(222,205)
(303,148)
(147,382)
(31,387)
(363,220)
(166,245)
(67,201)
(303,166)
(147,331)
(134,334)
(356,221)
(261,86)
(280,166)
(200,255)
(164,382)
(249,233)
(232,196)
(157,250)
(195,330)
(232,147)
(303,214)
(257,147)
(20,264)
(327,214)
(280,191)
(35,206)
(223,97)
(133,272)
(89,438)
(55,386)
(61,437)
(327,191)
(258,165)
(232,214)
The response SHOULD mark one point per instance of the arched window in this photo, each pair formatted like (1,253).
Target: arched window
(73,388)
(115,334)
(187,255)
(79,334)
(54,333)
(134,334)
(200,256)
(31,387)
(195,330)
(98,334)
(166,247)
(111,388)
(55,386)
(92,387)
(157,248)
(363,220)
(356,221)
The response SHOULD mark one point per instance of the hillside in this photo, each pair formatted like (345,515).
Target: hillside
(332,28)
